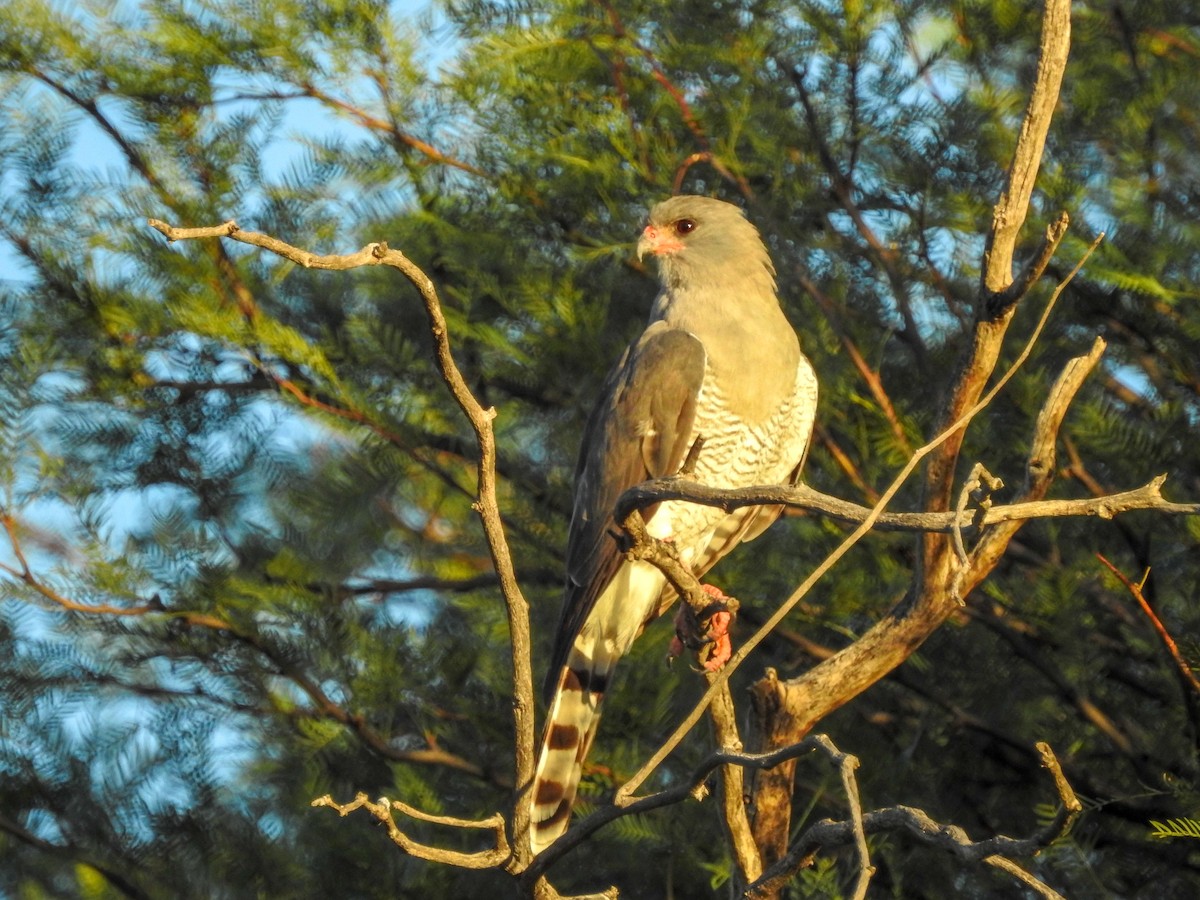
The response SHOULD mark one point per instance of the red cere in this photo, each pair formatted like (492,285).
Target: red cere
(658,242)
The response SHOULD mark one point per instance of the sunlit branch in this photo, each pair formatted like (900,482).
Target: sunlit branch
(1135,591)
(382,810)
(802,497)
(996,851)
(485,503)
(400,137)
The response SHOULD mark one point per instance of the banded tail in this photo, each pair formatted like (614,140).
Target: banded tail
(570,727)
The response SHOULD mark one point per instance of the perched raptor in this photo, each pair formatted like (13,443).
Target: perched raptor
(718,359)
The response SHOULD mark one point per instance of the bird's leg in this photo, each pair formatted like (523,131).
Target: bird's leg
(706,630)
(688,469)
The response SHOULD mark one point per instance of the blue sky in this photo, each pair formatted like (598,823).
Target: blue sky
(44,521)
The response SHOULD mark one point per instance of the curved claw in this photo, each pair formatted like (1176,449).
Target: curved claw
(706,631)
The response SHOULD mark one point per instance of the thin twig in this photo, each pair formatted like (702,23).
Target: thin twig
(996,851)
(485,504)
(847,765)
(1135,590)
(1147,497)
(382,810)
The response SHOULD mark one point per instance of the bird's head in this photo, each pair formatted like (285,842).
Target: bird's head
(701,241)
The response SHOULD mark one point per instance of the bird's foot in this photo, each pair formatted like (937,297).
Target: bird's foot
(706,631)
(716,654)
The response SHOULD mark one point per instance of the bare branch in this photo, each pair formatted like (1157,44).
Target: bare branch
(1147,497)
(847,765)
(1009,213)
(1135,591)
(382,810)
(733,802)
(682,790)
(996,851)
(993,311)
(485,503)
(1034,269)
(1040,468)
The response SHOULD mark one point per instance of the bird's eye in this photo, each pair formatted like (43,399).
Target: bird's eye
(683,226)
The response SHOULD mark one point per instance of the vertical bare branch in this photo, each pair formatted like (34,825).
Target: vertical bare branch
(1010,212)
(932,596)
(733,802)
(485,502)
(489,513)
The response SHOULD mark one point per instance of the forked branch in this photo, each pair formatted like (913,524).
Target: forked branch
(382,810)
(485,503)
(998,851)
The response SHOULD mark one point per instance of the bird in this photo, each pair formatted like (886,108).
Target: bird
(717,361)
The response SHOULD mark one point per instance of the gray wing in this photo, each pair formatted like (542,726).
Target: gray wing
(641,428)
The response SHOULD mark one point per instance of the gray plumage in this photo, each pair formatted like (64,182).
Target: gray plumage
(719,359)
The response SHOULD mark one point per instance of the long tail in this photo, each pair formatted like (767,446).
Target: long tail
(570,727)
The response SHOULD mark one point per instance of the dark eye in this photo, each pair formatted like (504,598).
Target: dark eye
(683,226)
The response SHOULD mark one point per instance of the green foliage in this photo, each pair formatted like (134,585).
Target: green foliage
(253,477)
(1175,828)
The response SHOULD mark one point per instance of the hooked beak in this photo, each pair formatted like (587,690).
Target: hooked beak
(656,242)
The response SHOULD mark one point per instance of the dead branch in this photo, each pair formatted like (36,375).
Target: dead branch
(1135,591)
(996,851)
(382,810)
(938,580)
(1040,467)
(732,793)
(485,504)
(691,787)
(1147,497)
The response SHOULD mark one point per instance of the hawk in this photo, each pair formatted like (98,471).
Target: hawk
(718,359)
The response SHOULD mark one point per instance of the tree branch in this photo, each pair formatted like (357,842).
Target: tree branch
(995,851)
(1135,590)
(485,504)
(801,496)
(732,792)
(382,810)
(400,138)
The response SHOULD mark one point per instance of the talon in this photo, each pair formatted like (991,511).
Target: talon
(674,649)
(706,631)
(688,630)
